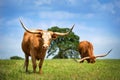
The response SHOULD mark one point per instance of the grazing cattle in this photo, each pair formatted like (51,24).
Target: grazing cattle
(86,52)
(35,44)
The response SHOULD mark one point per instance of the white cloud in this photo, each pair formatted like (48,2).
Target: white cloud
(105,40)
(56,15)
(64,15)
(42,2)
(12,22)
(117,3)
(10,45)
(1,3)
(103,44)
(1,22)
(89,15)
(72,2)
(12,2)
(108,7)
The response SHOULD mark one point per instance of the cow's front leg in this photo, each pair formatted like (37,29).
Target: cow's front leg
(41,61)
(43,53)
(40,65)
(88,60)
(34,64)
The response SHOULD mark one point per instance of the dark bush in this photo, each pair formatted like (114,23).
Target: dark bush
(16,58)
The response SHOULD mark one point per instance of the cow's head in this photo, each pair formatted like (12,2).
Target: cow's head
(46,36)
(93,58)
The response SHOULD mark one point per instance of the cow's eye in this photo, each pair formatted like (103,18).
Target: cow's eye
(54,36)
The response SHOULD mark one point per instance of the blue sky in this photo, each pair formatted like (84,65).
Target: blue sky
(97,21)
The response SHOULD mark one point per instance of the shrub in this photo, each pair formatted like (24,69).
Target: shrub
(16,58)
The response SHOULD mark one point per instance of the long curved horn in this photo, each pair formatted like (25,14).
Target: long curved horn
(63,34)
(82,59)
(30,31)
(103,55)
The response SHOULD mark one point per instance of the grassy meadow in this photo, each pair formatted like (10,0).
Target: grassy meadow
(62,69)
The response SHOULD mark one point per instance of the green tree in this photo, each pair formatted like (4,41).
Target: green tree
(66,45)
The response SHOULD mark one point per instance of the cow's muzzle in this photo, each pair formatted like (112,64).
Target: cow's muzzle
(45,46)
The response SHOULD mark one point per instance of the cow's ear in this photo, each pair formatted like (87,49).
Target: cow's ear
(39,35)
(54,36)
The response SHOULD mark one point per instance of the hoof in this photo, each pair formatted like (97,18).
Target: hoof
(40,72)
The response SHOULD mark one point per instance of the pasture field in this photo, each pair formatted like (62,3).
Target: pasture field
(62,69)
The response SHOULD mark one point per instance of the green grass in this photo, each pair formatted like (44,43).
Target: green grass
(62,69)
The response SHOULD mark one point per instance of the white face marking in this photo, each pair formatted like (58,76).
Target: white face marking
(46,36)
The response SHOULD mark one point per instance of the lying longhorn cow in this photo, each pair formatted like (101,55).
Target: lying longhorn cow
(86,52)
(35,44)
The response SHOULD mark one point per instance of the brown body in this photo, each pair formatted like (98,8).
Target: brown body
(86,52)
(32,46)
(35,44)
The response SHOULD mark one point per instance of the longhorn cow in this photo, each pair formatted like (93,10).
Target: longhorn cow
(86,52)
(35,44)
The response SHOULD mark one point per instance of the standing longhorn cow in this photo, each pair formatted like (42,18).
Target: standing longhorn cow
(35,44)
(86,52)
